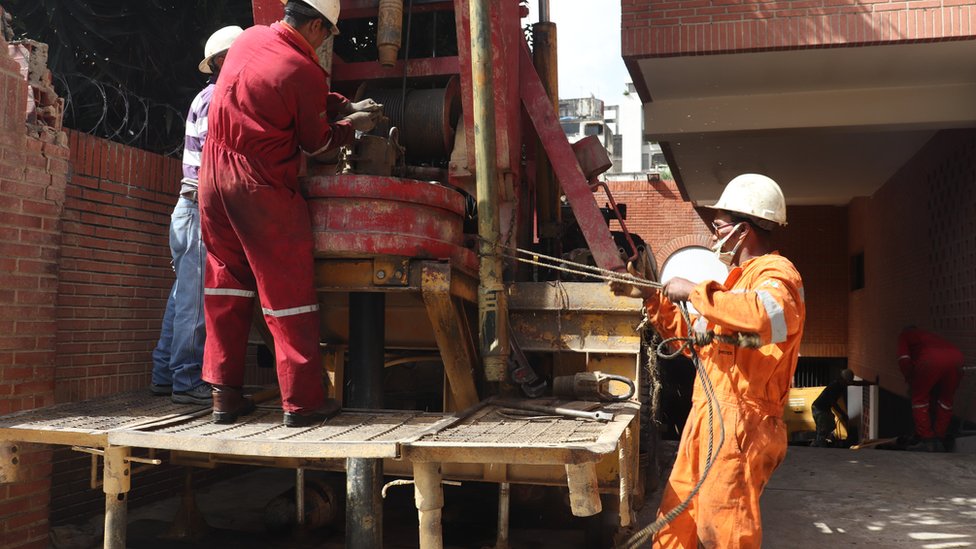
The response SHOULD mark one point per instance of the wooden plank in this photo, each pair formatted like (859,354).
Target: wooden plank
(456,350)
(268,448)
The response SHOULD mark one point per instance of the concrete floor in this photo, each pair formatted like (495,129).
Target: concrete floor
(871,498)
(817,498)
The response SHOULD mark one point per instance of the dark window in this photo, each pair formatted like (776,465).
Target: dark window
(570,128)
(857,271)
(594,129)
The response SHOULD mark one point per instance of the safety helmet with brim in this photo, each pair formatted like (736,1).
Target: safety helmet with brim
(218,43)
(326,8)
(755,197)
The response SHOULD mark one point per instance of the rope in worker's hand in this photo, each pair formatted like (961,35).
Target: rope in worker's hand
(714,409)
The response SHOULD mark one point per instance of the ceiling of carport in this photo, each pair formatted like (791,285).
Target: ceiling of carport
(829,124)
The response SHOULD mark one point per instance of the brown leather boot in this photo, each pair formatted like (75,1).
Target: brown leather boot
(229,403)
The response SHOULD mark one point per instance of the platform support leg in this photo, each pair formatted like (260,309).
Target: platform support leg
(9,462)
(364,476)
(117,480)
(504,505)
(584,493)
(429,497)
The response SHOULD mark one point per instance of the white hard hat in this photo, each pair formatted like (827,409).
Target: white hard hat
(754,195)
(218,42)
(328,8)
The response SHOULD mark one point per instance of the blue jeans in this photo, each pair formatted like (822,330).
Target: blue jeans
(178,357)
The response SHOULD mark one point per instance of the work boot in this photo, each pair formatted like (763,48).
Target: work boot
(819,442)
(229,403)
(328,409)
(201,394)
(160,390)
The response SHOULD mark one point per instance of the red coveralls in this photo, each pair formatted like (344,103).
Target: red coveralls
(763,296)
(931,361)
(271,100)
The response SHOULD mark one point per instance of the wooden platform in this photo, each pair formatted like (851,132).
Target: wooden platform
(484,434)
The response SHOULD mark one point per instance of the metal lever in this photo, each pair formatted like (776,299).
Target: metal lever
(555,410)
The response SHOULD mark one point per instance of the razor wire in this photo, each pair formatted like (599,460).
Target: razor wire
(110,111)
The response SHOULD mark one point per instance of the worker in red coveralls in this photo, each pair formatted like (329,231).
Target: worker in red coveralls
(271,103)
(927,360)
(763,296)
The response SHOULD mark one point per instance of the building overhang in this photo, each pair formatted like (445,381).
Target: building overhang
(829,123)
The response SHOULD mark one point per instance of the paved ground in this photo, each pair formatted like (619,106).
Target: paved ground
(871,498)
(818,498)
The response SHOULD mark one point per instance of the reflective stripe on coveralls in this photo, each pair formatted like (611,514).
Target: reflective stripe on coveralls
(752,386)
(271,101)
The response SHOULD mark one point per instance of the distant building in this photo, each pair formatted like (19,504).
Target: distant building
(584,117)
(620,127)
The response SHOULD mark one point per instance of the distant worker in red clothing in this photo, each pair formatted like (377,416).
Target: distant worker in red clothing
(928,361)
(271,102)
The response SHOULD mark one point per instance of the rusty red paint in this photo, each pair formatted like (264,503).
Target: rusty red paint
(267,11)
(362,215)
(566,167)
(371,70)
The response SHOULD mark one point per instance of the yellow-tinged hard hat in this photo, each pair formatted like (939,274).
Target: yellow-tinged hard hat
(754,195)
(218,42)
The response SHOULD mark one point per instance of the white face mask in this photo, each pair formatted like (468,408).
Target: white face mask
(728,257)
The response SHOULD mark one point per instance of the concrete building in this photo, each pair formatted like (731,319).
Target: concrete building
(864,113)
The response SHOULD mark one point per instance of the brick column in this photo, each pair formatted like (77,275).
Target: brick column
(33,176)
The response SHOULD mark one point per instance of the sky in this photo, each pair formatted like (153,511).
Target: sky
(588,38)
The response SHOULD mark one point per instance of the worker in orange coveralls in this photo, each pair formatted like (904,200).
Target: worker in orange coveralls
(272,102)
(763,295)
(927,360)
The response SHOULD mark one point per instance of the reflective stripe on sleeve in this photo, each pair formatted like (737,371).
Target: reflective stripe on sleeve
(803,294)
(777,320)
(229,291)
(290,312)
(925,405)
(944,406)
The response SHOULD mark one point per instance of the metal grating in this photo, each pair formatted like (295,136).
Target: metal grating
(352,433)
(494,426)
(121,411)
(266,424)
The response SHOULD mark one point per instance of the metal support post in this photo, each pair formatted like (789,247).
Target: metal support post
(548,205)
(364,477)
(504,503)
(300,498)
(492,308)
(116,485)
(429,498)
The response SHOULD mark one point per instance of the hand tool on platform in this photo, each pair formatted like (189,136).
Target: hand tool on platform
(591,386)
(598,415)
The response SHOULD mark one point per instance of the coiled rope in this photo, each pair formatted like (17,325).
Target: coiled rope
(714,409)
(689,343)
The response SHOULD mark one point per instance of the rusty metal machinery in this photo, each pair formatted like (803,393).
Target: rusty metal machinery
(425,117)
(365,215)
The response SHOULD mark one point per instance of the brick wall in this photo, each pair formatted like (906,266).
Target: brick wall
(681,27)
(815,240)
(656,212)
(115,266)
(115,276)
(32,183)
(920,261)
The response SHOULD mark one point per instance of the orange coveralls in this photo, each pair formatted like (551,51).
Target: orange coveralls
(763,296)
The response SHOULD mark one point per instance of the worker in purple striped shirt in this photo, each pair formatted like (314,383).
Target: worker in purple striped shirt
(178,357)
